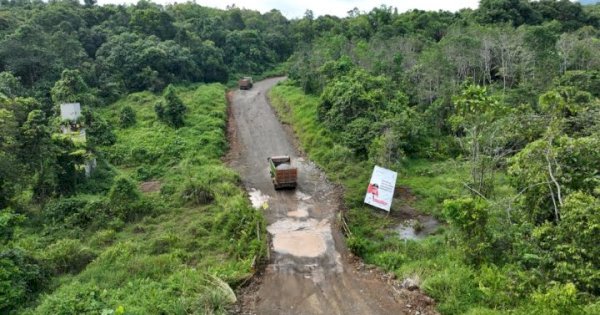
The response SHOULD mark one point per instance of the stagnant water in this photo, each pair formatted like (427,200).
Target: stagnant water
(407,231)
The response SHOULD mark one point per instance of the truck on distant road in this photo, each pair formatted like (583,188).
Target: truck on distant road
(283,174)
(245,83)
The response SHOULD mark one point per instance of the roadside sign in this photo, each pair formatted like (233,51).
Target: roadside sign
(380,191)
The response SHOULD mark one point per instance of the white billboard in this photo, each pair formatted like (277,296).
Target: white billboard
(70,111)
(381,188)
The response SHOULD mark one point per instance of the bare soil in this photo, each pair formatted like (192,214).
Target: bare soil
(310,270)
(150,186)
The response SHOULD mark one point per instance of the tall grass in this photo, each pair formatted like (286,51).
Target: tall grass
(200,239)
(436,262)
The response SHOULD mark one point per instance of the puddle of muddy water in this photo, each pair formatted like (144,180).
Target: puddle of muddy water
(300,238)
(407,231)
(300,243)
(301,212)
(302,196)
(258,199)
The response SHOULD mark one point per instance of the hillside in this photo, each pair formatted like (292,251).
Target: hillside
(114,197)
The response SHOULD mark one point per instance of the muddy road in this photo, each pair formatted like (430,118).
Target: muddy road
(309,271)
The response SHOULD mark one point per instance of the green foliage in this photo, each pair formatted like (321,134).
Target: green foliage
(10,86)
(197,192)
(358,134)
(470,217)
(558,299)
(21,277)
(125,199)
(476,114)
(588,81)
(455,287)
(154,252)
(8,222)
(127,117)
(171,110)
(71,88)
(349,97)
(98,130)
(67,255)
(75,212)
(531,173)
(569,248)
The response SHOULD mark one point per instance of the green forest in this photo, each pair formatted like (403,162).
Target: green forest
(491,117)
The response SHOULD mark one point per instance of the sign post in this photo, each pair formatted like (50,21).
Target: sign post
(381,188)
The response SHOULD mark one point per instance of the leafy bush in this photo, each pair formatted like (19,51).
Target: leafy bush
(98,130)
(127,117)
(67,255)
(470,217)
(570,249)
(171,110)
(389,260)
(359,246)
(358,134)
(103,237)
(78,211)
(455,289)
(77,298)
(21,276)
(125,199)
(197,192)
(8,223)
(559,299)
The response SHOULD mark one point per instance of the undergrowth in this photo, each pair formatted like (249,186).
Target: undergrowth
(179,249)
(437,262)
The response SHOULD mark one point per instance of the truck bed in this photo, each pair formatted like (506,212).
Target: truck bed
(283,174)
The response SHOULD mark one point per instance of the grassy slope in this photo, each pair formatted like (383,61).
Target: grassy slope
(179,259)
(457,287)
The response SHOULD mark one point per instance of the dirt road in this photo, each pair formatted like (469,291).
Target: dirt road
(309,271)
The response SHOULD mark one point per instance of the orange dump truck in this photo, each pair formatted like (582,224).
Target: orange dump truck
(283,174)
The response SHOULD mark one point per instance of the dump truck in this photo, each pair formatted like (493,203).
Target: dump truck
(245,83)
(283,174)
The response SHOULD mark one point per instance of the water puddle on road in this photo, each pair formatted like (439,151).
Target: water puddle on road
(302,211)
(300,238)
(258,199)
(302,196)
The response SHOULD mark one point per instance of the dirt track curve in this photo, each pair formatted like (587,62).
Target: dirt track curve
(309,271)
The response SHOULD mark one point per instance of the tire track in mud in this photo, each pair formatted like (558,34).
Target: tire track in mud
(309,271)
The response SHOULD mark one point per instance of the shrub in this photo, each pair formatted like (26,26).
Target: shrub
(103,237)
(389,260)
(358,246)
(8,222)
(197,192)
(98,130)
(470,217)
(127,117)
(558,299)
(78,211)
(76,298)
(124,198)
(20,277)
(454,288)
(171,110)
(67,255)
